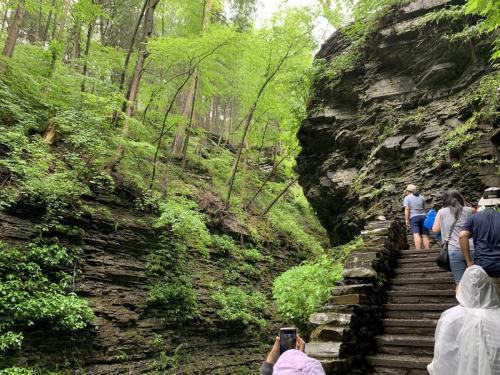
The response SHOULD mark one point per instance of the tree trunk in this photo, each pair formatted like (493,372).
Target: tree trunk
(262,141)
(178,142)
(132,43)
(15,26)
(49,20)
(190,125)
(164,123)
(290,184)
(136,79)
(62,25)
(4,19)
(86,54)
(261,187)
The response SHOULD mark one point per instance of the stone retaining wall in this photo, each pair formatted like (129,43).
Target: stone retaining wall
(347,325)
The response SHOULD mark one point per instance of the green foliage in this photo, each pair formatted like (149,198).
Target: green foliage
(178,300)
(17,371)
(289,228)
(36,288)
(253,255)
(236,305)
(300,290)
(461,135)
(490,10)
(224,244)
(182,217)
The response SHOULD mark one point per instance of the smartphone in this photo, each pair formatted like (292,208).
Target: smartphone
(288,338)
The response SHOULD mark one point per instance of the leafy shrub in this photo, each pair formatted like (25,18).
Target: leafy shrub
(249,270)
(236,305)
(286,226)
(17,371)
(178,299)
(301,289)
(252,255)
(34,287)
(181,215)
(224,244)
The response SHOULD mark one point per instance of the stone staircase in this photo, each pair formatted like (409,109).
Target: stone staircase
(420,291)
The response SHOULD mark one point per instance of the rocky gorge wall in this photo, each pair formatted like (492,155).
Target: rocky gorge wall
(420,105)
(128,336)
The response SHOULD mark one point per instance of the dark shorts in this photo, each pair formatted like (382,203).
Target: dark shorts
(417,225)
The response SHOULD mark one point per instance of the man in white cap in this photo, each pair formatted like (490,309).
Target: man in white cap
(484,228)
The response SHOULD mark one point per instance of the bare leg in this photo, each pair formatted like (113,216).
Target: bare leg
(418,241)
(427,242)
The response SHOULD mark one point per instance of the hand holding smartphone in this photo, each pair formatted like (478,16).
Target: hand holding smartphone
(288,339)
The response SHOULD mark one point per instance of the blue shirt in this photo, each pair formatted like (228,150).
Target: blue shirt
(416,204)
(485,229)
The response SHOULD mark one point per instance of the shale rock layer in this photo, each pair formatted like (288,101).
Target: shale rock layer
(419,106)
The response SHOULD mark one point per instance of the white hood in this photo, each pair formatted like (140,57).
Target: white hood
(467,338)
(476,290)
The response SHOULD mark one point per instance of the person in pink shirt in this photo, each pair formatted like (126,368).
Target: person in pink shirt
(291,362)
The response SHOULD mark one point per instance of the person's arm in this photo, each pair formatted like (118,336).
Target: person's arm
(272,357)
(463,239)
(407,215)
(436,228)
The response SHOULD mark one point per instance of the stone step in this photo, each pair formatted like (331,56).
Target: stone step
(409,323)
(418,306)
(405,344)
(421,261)
(419,268)
(406,340)
(403,361)
(380,370)
(420,252)
(428,257)
(413,314)
(427,274)
(435,282)
(422,296)
(422,299)
(425,331)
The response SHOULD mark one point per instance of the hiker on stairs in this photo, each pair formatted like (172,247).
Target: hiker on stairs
(414,205)
(450,221)
(484,228)
(467,340)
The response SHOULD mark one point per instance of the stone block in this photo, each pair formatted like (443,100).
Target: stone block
(351,289)
(348,299)
(375,232)
(389,87)
(336,318)
(409,146)
(360,273)
(438,73)
(329,350)
(325,333)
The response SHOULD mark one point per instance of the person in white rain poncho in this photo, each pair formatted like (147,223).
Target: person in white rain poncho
(468,335)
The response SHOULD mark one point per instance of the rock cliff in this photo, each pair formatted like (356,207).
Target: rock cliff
(128,336)
(419,105)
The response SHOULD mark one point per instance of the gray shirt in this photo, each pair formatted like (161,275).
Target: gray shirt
(447,219)
(416,204)
(266,369)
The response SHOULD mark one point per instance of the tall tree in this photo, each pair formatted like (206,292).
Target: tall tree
(293,48)
(136,78)
(15,27)
(178,145)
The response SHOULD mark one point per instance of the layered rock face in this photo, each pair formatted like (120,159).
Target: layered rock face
(419,106)
(128,336)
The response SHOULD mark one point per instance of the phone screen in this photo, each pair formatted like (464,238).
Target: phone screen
(288,339)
